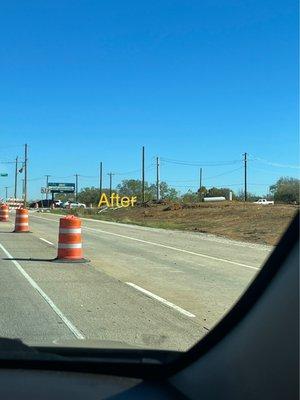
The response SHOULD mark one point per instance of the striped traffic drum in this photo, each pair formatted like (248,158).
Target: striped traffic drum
(69,239)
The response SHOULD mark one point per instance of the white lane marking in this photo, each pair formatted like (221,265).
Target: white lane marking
(167,247)
(173,248)
(162,300)
(202,236)
(47,241)
(69,324)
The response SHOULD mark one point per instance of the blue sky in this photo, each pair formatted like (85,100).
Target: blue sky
(199,81)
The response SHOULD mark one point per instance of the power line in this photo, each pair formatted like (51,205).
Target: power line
(62,177)
(224,173)
(110,174)
(147,168)
(209,177)
(245,176)
(143,174)
(275,164)
(264,170)
(100,177)
(10,146)
(217,186)
(259,184)
(35,179)
(199,164)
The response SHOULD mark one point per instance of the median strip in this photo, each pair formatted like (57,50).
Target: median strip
(162,300)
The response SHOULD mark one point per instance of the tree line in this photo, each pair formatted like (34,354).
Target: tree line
(285,190)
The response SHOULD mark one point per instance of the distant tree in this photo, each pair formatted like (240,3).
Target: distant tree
(286,190)
(169,193)
(90,195)
(166,191)
(250,196)
(190,197)
(133,187)
(130,187)
(202,191)
(64,196)
(218,192)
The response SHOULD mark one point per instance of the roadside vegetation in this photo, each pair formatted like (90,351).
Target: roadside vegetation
(235,219)
(285,190)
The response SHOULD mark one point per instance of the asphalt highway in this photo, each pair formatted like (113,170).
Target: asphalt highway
(143,287)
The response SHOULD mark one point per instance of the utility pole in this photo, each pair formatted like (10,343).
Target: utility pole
(25,174)
(157,179)
(47,181)
(6,197)
(245,176)
(23,189)
(143,174)
(110,184)
(16,178)
(76,187)
(200,184)
(100,178)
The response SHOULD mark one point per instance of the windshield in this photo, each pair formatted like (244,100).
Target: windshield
(149,165)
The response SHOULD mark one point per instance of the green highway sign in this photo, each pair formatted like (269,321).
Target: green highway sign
(59,187)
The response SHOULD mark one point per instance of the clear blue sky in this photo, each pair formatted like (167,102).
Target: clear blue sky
(200,81)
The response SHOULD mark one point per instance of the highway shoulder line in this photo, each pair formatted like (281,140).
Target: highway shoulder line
(172,248)
(203,236)
(68,323)
(47,241)
(164,246)
(162,300)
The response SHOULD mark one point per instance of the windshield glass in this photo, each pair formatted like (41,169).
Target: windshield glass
(149,165)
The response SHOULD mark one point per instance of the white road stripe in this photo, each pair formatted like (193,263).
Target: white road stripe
(47,241)
(164,246)
(69,324)
(164,301)
(173,248)
(208,236)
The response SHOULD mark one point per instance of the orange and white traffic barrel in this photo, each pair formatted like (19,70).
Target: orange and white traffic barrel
(4,210)
(69,240)
(21,221)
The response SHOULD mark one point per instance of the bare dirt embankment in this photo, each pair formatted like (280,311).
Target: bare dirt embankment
(246,222)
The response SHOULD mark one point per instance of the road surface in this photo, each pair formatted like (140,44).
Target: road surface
(143,287)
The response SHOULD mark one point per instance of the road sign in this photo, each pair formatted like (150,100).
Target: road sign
(56,187)
(3,174)
(45,190)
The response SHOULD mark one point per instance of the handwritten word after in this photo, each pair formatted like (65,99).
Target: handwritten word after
(116,201)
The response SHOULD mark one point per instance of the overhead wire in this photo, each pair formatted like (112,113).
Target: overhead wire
(199,164)
(274,164)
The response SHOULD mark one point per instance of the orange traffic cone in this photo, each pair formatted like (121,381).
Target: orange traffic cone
(4,213)
(69,240)
(21,221)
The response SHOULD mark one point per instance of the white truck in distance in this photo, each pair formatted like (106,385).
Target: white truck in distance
(264,202)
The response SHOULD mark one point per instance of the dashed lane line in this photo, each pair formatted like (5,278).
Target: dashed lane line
(161,299)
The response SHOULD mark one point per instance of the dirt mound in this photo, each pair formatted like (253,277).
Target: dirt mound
(173,207)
